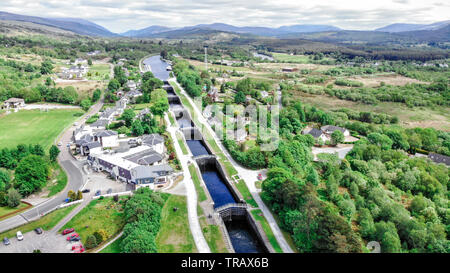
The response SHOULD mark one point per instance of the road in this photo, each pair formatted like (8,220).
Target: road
(75,179)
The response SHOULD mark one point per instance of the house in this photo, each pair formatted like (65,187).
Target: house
(213,94)
(133,95)
(90,147)
(101,123)
(107,138)
(329,129)
(93,53)
(143,113)
(150,175)
(317,134)
(286,69)
(80,61)
(13,103)
(438,158)
(131,84)
(155,141)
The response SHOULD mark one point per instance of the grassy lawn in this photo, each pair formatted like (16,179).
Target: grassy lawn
(99,214)
(34,127)
(171,118)
(175,235)
(114,247)
(282,57)
(198,188)
(181,142)
(213,234)
(46,223)
(265,225)
(6,210)
(98,72)
(60,176)
(243,189)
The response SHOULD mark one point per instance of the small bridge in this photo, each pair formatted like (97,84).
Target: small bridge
(231,209)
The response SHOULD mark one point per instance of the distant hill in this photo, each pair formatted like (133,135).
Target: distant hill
(413,27)
(153,31)
(146,32)
(79,26)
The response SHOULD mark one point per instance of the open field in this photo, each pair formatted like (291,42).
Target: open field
(375,80)
(114,247)
(99,214)
(83,88)
(98,72)
(175,236)
(47,222)
(34,127)
(438,117)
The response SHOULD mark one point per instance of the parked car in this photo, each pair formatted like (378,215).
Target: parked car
(68,145)
(67,200)
(6,241)
(77,246)
(75,239)
(38,230)
(259,176)
(97,193)
(67,231)
(70,237)
(79,250)
(59,143)
(85,190)
(109,191)
(19,235)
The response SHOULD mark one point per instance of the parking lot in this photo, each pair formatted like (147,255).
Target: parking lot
(99,181)
(46,242)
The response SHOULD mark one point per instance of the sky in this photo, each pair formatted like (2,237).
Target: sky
(122,15)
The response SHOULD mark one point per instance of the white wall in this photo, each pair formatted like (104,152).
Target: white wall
(110,141)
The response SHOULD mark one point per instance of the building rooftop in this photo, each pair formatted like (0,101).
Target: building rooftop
(152,139)
(332,128)
(105,133)
(438,158)
(315,132)
(140,172)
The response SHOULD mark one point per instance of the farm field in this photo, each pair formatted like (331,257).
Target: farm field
(34,126)
(438,117)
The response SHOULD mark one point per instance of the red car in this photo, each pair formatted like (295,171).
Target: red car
(67,231)
(80,246)
(72,236)
(79,250)
(259,176)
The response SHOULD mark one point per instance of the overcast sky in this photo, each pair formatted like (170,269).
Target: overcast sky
(121,15)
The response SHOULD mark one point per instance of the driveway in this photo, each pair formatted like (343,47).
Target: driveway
(99,181)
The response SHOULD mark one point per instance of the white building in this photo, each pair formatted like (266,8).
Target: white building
(13,103)
(329,129)
(107,138)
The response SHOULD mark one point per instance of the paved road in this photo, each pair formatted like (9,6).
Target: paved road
(74,182)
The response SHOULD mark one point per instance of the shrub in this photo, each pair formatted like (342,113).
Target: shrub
(91,242)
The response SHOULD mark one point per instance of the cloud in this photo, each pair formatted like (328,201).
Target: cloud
(120,15)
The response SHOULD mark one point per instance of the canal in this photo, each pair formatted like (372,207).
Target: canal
(242,236)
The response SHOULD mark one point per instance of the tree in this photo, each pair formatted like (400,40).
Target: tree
(136,128)
(100,235)
(13,198)
(113,85)
(54,152)
(79,195)
(46,67)
(239,98)
(128,116)
(96,95)
(38,150)
(86,104)
(72,195)
(31,174)
(89,61)
(91,242)
(4,180)
(337,137)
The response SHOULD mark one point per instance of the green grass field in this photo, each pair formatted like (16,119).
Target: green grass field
(34,127)
(181,143)
(265,225)
(46,223)
(114,247)
(198,188)
(175,235)
(98,72)
(6,210)
(213,234)
(99,214)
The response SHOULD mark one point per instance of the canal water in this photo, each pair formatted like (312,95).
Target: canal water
(158,67)
(242,236)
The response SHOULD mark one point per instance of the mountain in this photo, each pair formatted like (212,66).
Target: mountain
(79,26)
(260,31)
(307,28)
(146,32)
(413,27)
